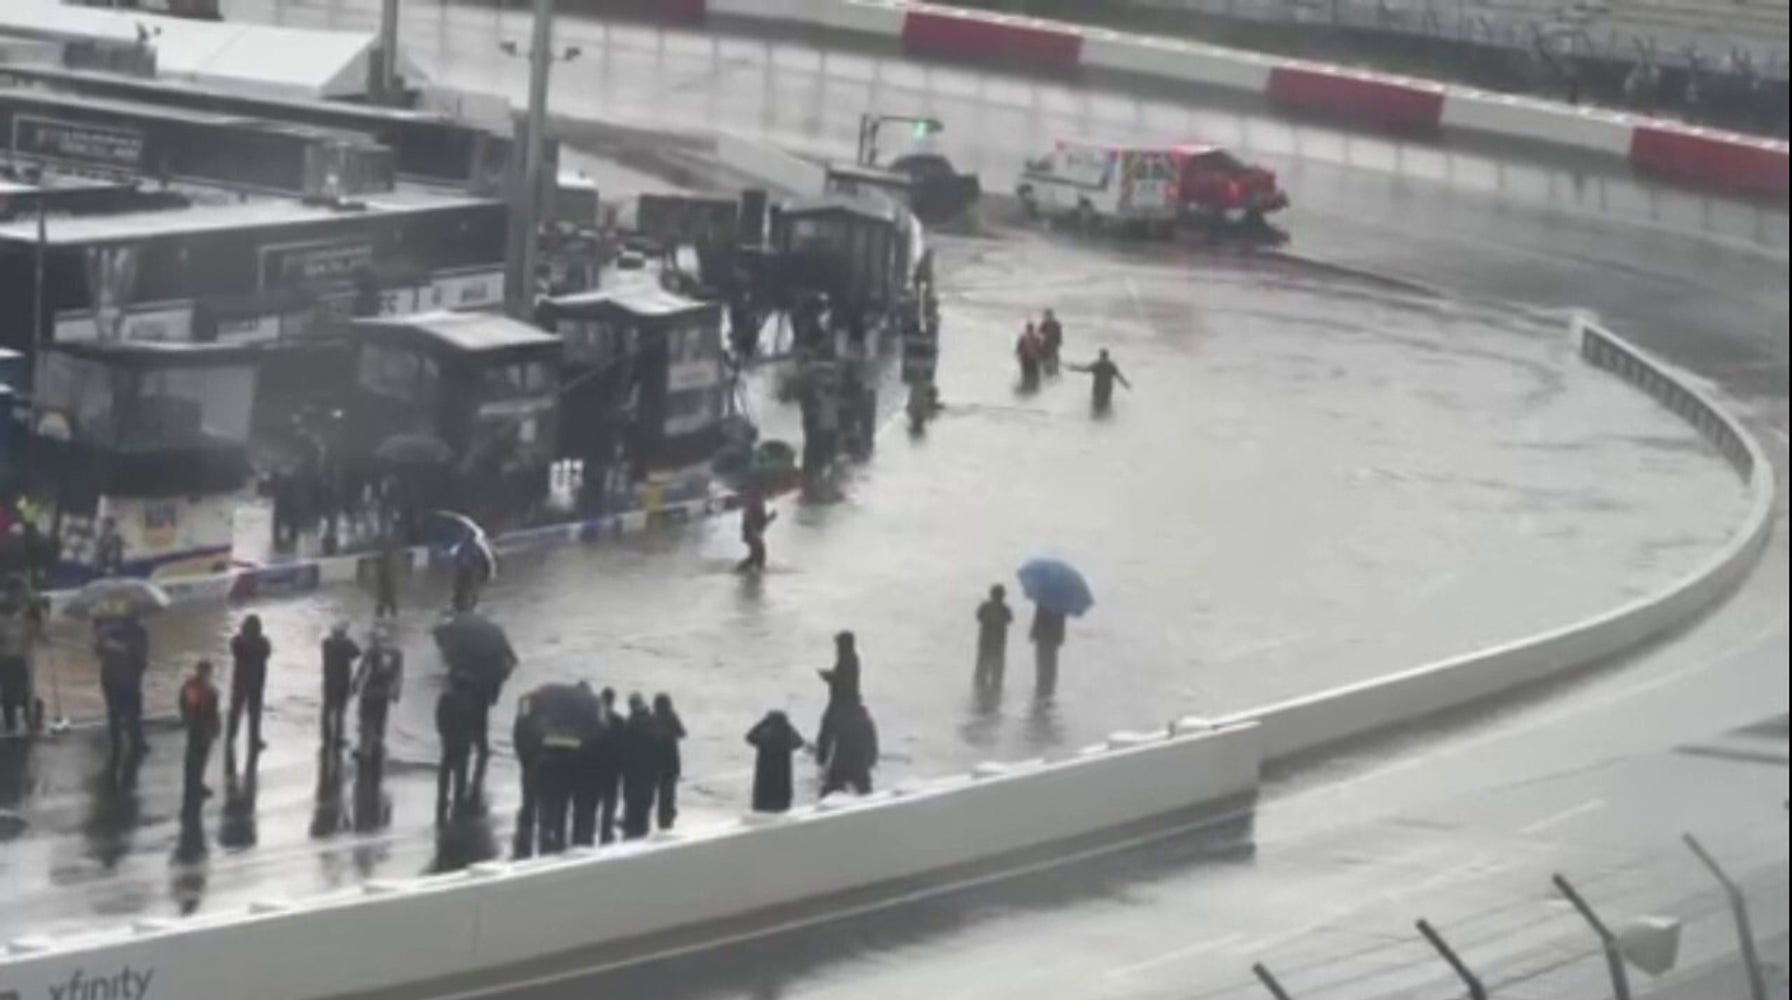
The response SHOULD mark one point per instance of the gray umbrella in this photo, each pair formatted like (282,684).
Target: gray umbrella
(116,597)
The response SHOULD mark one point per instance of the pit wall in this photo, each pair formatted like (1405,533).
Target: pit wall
(1400,105)
(298,576)
(389,933)
(393,932)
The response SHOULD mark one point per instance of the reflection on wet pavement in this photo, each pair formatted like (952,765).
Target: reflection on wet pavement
(1311,483)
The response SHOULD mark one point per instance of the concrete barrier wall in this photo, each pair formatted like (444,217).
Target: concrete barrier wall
(394,932)
(1305,724)
(1381,101)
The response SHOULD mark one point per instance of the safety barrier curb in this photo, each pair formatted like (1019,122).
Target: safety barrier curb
(299,576)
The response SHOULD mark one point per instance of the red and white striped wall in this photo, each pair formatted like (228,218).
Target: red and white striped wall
(1383,102)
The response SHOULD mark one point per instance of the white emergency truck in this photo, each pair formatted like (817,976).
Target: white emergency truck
(1095,184)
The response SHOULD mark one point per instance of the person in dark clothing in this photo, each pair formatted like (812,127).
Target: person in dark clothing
(596,772)
(19,626)
(455,713)
(993,619)
(340,653)
(843,691)
(199,717)
(385,582)
(1051,343)
(1047,634)
(605,774)
(1105,373)
(754,519)
(1028,350)
(773,740)
(470,574)
(556,726)
(640,753)
(670,730)
(122,645)
(249,653)
(855,752)
(379,681)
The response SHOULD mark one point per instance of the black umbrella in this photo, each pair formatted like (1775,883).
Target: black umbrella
(413,450)
(476,648)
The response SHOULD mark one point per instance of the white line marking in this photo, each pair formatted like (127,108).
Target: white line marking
(1198,948)
(1551,822)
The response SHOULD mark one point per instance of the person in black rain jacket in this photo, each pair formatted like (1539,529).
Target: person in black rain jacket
(774,740)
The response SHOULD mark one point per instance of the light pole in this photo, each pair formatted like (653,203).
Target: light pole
(541,60)
(388,83)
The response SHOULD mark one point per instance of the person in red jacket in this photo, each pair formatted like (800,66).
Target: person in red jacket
(200,717)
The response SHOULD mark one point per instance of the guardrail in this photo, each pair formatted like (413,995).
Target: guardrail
(1387,102)
(497,913)
(391,932)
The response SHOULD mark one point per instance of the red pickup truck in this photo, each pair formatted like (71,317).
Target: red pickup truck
(1215,185)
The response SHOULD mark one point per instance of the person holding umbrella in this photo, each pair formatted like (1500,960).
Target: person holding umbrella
(122,644)
(476,648)
(1057,591)
(115,605)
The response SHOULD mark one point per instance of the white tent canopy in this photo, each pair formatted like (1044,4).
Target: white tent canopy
(296,63)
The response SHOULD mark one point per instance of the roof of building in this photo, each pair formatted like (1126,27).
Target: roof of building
(82,230)
(466,332)
(263,59)
(644,298)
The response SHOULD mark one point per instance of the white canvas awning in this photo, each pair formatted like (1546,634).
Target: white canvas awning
(293,63)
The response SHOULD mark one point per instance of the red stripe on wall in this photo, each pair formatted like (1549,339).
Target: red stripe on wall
(1383,104)
(1711,161)
(937,35)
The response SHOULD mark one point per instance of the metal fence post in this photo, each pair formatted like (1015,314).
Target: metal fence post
(1745,930)
(1608,942)
(1269,982)
(1475,990)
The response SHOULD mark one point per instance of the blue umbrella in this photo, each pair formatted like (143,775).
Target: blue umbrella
(1055,585)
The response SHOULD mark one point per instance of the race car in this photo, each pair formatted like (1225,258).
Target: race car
(1214,185)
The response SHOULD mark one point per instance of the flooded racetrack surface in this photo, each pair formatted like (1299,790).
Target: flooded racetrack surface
(1314,481)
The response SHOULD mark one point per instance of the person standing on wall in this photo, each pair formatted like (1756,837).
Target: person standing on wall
(249,653)
(199,717)
(670,732)
(993,618)
(339,653)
